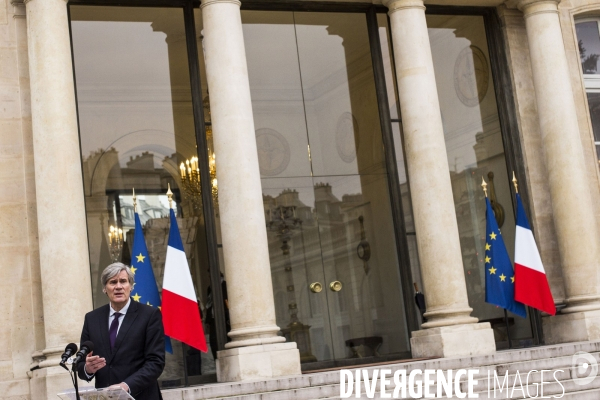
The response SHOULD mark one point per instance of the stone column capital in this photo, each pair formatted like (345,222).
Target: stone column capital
(206,3)
(532,7)
(396,5)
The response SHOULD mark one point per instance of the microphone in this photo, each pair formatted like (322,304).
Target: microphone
(69,351)
(86,348)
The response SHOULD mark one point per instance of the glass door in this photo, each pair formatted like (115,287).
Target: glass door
(328,216)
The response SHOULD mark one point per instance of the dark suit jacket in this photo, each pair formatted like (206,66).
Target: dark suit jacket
(138,357)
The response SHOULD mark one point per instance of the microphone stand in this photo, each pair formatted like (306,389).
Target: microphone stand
(75,379)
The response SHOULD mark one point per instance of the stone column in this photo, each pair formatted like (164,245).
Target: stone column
(255,351)
(65,269)
(449,330)
(571,199)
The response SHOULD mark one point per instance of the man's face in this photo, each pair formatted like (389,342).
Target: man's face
(118,290)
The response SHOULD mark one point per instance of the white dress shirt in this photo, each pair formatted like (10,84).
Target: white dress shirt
(123,311)
(111,317)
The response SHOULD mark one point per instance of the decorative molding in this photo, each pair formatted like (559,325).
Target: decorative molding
(471,76)
(533,7)
(273,152)
(346,137)
(592,82)
(206,3)
(396,5)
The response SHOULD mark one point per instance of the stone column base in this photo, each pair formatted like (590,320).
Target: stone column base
(576,327)
(454,341)
(258,362)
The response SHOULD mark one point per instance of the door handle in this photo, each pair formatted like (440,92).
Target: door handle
(336,286)
(316,287)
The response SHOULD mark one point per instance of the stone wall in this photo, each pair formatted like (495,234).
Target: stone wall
(21,320)
(569,12)
(531,141)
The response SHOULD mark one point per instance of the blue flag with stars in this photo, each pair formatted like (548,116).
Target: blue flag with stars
(145,289)
(499,273)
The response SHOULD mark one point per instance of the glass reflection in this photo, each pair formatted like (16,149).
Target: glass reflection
(594,104)
(324,185)
(137,127)
(475,149)
(388,65)
(588,41)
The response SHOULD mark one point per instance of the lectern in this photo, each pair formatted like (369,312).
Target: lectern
(96,394)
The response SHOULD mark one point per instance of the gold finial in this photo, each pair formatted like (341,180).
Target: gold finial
(484,186)
(514,181)
(170,195)
(134,202)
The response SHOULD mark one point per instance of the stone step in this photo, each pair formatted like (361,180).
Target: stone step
(547,363)
(581,395)
(326,384)
(550,390)
(567,385)
(502,360)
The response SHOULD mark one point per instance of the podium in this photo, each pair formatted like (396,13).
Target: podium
(96,394)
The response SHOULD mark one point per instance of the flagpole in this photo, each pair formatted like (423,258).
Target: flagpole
(484,186)
(134,201)
(514,181)
(507,329)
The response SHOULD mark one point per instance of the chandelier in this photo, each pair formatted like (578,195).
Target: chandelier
(115,242)
(190,171)
(190,181)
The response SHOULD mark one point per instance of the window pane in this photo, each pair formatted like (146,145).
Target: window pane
(588,41)
(339,94)
(136,127)
(328,210)
(594,103)
(474,148)
(388,65)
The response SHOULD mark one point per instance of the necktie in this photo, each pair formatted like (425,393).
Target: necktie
(114,327)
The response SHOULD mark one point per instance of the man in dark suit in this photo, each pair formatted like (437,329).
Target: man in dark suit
(128,337)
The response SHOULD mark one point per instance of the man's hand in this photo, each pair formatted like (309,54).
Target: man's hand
(121,385)
(93,363)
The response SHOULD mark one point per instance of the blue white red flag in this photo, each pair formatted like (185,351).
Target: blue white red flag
(181,315)
(531,285)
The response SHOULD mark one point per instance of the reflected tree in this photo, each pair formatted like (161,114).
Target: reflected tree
(588,63)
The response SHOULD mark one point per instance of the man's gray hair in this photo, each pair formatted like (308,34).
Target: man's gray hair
(113,270)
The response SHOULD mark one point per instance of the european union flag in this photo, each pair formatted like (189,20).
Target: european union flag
(499,273)
(145,289)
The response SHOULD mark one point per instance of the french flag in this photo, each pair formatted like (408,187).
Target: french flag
(531,284)
(180,312)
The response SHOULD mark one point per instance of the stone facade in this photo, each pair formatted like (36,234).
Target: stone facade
(34,328)
(22,327)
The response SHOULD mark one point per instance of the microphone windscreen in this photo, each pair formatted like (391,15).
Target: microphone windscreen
(72,347)
(89,345)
